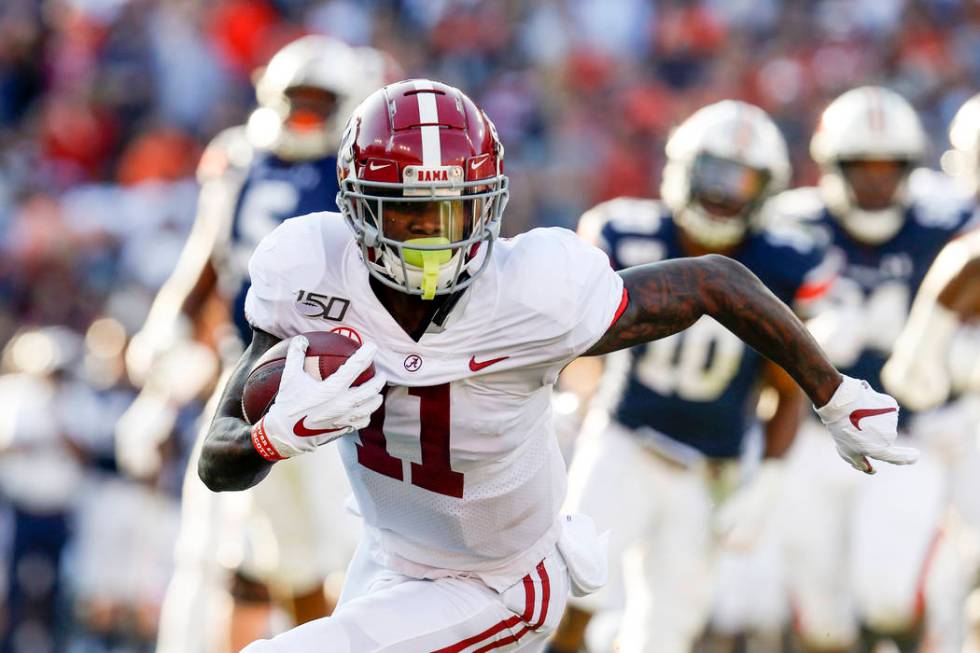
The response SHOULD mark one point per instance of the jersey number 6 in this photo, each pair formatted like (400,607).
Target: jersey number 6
(434,474)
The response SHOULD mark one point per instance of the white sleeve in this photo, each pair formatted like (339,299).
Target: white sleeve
(600,299)
(569,294)
(267,294)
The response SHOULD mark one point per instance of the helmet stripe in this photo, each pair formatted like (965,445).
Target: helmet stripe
(876,112)
(429,118)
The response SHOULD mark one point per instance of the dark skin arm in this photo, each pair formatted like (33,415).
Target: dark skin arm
(782,426)
(670,296)
(962,293)
(228,459)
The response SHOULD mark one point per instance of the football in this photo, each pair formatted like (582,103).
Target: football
(327,352)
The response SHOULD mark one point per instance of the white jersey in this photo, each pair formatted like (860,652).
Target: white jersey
(459,470)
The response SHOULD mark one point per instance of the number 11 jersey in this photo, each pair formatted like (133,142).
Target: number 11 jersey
(459,470)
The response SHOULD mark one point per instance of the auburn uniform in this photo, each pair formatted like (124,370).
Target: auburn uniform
(669,422)
(848,522)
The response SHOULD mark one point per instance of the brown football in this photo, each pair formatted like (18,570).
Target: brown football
(327,352)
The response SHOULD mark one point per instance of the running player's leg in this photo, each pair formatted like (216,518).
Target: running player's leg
(670,575)
(750,594)
(896,526)
(193,609)
(610,481)
(382,611)
(815,532)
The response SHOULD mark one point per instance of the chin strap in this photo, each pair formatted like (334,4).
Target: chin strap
(430,260)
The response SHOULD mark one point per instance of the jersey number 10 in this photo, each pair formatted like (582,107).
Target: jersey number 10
(435,473)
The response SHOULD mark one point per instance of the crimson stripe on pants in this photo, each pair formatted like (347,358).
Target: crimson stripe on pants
(528,599)
(512,621)
(545,594)
(505,641)
(476,639)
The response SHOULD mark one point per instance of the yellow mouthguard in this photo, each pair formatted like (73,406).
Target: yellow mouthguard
(430,260)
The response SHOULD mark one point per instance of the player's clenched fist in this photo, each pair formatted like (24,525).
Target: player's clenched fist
(864,424)
(308,412)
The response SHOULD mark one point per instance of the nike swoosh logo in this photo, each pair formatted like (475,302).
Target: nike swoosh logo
(476,367)
(374,166)
(858,415)
(302,431)
(476,164)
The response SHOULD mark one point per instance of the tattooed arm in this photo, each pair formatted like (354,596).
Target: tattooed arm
(228,459)
(670,296)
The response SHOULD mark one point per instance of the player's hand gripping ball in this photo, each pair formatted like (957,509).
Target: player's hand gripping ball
(309,390)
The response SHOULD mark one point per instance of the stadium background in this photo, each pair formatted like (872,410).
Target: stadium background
(105,106)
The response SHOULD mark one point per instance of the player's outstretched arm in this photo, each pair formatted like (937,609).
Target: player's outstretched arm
(668,297)
(182,297)
(228,460)
(917,371)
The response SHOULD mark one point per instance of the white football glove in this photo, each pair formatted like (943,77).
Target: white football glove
(140,432)
(834,328)
(864,424)
(308,412)
(917,372)
(742,518)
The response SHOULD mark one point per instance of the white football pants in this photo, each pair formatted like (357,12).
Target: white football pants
(866,548)
(661,549)
(382,611)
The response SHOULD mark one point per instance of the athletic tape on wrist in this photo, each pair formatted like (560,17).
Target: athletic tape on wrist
(262,443)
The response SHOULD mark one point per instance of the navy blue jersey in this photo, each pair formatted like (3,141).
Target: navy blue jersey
(698,387)
(273,191)
(878,283)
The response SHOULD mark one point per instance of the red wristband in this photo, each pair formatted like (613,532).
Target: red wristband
(262,444)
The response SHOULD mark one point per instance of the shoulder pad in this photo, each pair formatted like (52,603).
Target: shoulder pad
(301,243)
(799,236)
(625,214)
(562,266)
(228,152)
(798,205)
(936,199)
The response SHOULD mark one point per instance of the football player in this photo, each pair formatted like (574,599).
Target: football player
(450,448)
(281,163)
(936,356)
(950,293)
(869,554)
(673,416)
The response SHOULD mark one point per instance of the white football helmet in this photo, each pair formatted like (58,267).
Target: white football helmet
(317,62)
(728,154)
(870,123)
(963,160)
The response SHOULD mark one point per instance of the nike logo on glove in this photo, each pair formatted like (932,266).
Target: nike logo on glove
(858,415)
(476,367)
(302,431)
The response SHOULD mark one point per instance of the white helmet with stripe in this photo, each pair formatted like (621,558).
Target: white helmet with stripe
(722,163)
(866,124)
(312,62)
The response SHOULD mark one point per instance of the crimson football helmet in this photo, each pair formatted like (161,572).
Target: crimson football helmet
(422,186)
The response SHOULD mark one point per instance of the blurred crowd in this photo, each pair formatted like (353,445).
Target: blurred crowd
(103,101)
(106,105)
